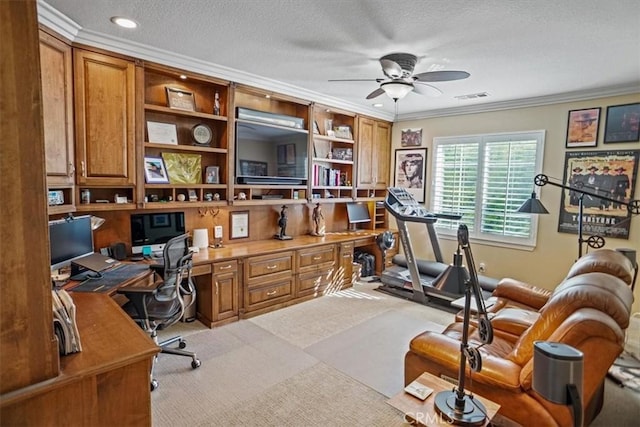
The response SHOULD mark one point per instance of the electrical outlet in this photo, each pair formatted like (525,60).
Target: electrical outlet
(217,232)
(482,268)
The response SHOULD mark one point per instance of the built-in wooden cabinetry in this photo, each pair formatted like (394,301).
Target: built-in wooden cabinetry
(57,114)
(373,155)
(217,293)
(268,281)
(316,267)
(105,119)
(333,155)
(344,274)
(210,108)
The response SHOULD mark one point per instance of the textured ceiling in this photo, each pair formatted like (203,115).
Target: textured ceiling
(517,51)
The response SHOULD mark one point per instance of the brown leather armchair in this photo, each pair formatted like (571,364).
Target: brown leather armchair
(589,311)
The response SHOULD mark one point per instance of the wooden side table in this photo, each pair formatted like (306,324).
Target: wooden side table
(422,412)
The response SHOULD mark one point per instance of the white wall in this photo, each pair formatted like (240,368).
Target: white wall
(555,252)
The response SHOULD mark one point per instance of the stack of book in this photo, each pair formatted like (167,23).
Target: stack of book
(64,322)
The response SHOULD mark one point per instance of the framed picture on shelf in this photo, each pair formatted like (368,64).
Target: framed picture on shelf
(162,133)
(623,123)
(410,171)
(212,175)
(239,224)
(582,128)
(180,99)
(155,171)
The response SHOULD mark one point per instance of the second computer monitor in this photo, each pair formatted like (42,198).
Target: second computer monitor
(357,213)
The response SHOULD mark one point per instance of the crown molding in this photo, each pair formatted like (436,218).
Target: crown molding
(525,102)
(51,18)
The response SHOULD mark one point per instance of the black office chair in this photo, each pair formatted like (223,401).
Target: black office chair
(160,307)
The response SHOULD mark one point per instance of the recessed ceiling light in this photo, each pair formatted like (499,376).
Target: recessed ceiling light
(378,105)
(267,96)
(183,77)
(124,22)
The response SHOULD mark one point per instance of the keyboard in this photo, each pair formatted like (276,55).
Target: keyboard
(110,278)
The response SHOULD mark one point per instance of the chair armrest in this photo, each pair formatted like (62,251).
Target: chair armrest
(138,292)
(522,293)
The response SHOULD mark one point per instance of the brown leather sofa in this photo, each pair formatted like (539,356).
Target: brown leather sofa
(589,311)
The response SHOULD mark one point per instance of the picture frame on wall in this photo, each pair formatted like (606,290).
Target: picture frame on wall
(411,137)
(239,224)
(212,175)
(623,123)
(410,171)
(582,127)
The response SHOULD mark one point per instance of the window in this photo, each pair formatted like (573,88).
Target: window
(486,178)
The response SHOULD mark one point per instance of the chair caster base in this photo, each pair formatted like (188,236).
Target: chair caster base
(154,384)
(195,363)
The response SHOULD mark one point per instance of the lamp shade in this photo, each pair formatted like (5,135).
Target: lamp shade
(532,206)
(397,89)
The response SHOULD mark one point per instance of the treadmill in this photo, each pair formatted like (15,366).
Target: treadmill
(428,281)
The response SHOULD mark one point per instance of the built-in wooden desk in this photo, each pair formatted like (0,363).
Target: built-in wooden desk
(106,384)
(241,280)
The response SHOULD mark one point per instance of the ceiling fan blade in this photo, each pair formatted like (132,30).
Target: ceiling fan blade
(391,69)
(426,89)
(356,80)
(376,93)
(441,76)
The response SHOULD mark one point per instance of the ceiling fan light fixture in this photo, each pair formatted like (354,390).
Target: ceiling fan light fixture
(396,89)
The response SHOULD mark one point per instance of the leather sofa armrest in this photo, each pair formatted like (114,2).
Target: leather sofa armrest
(514,320)
(445,351)
(522,293)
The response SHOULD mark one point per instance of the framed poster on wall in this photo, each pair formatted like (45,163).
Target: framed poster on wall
(410,171)
(611,174)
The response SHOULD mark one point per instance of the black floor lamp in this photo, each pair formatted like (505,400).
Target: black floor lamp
(534,206)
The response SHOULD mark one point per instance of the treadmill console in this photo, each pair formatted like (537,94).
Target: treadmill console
(404,206)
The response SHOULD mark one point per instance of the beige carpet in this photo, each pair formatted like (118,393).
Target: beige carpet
(332,361)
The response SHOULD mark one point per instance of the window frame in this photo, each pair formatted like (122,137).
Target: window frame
(483,140)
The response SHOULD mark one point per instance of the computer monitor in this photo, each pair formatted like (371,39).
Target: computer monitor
(151,231)
(69,240)
(357,213)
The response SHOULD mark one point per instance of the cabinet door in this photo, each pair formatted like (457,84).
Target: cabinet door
(346,263)
(105,119)
(365,153)
(382,148)
(57,109)
(226,296)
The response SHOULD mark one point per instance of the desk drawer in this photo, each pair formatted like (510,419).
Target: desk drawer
(225,267)
(269,264)
(313,257)
(200,270)
(270,294)
(314,283)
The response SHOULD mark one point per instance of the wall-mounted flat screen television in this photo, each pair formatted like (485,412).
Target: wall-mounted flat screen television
(267,154)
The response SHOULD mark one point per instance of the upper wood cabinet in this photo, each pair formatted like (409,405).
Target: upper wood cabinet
(105,119)
(57,109)
(374,141)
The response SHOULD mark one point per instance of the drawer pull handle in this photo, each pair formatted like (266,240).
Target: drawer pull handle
(346,256)
(271,293)
(271,267)
(316,258)
(225,267)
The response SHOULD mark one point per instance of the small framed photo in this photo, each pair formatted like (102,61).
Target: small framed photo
(411,137)
(582,128)
(181,99)
(410,171)
(212,175)
(160,221)
(155,171)
(239,227)
(623,123)
(162,133)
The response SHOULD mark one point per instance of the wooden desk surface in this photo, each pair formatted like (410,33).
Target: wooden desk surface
(241,250)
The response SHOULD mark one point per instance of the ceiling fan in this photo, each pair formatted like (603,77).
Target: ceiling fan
(400,80)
